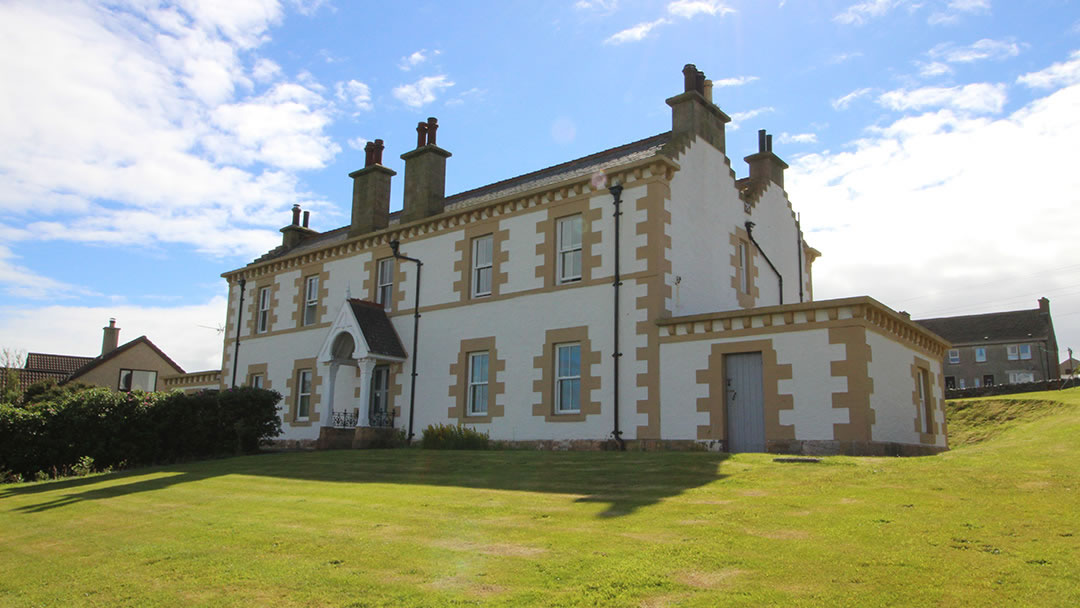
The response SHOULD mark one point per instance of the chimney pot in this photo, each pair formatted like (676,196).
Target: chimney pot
(377,153)
(768,143)
(432,126)
(307,216)
(296,215)
(699,82)
(761,140)
(369,154)
(689,77)
(421,134)
(708,91)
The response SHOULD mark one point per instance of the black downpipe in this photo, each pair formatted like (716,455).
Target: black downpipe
(416,331)
(236,347)
(798,249)
(616,192)
(750,233)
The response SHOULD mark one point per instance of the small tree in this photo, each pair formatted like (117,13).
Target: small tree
(10,360)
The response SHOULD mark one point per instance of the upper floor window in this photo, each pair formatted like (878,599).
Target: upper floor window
(954,355)
(567,378)
(1025,351)
(568,232)
(980,354)
(478,383)
(384,290)
(482,265)
(264,310)
(303,394)
(137,380)
(1018,351)
(744,267)
(311,300)
(256,381)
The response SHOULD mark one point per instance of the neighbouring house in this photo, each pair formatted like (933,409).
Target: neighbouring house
(135,365)
(1070,367)
(1012,347)
(642,296)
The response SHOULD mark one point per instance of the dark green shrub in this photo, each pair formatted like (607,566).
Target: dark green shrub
(249,417)
(454,437)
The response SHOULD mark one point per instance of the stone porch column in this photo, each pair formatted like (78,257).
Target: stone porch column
(366,367)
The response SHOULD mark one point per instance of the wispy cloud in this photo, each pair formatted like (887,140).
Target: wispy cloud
(933,68)
(410,61)
(423,91)
(798,138)
(737,81)
(979,98)
(862,12)
(473,94)
(957,9)
(977,51)
(21,282)
(635,33)
(1062,73)
(354,93)
(357,143)
(738,118)
(688,9)
(845,101)
(845,57)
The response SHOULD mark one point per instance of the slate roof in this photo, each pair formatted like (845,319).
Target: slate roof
(586,165)
(379,333)
(55,363)
(1011,326)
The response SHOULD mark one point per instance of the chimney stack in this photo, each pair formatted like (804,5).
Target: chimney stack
(425,174)
(111,338)
(292,234)
(693,113)
(764,165)
(1044,306)
(371,192)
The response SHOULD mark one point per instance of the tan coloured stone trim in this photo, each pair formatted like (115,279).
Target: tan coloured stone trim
(253,307)
(255,369)
(809,255)
(314,414)
(750,297)
(371,284)
(714,376)
(191,379)
(301,294)
(463,267)
(935,404)
(630,175)
(856,368)
(459,391)
(864,310)
(546,384)
(590,240)
(654,227)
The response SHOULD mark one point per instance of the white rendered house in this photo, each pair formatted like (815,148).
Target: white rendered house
(698,282)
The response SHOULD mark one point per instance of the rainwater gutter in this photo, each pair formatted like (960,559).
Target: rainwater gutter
(394,245)
(750,233)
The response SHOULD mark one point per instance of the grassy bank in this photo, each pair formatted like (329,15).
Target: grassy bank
(994,521)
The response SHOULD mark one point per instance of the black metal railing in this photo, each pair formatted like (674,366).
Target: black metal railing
(345,420)
(381,419)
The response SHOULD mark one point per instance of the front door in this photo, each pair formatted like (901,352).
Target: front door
(745,403)
(380,414)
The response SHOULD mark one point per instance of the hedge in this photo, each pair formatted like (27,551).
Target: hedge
(127,429)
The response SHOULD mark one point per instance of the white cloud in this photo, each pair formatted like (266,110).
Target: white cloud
(861,12)
(943,210)
(357,143)
(687,9)
(934,68)
(185,333)
(354,92)
(958,8)
(977,51)
(423,91)
(798,138)
(1059,74)
(738,118)
(603,6)
(636,33)
(473,94)
(845,57)
(411,61)
(845,101)
(130,112)
(737,81)
(978,98)
(310,7)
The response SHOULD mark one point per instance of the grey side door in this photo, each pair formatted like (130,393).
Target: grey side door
(745,403)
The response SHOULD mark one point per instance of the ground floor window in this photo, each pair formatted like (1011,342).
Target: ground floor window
(950,383)
(303,394)
(988,380)
(380,396)
(478,383)
(137,380)
(567,378)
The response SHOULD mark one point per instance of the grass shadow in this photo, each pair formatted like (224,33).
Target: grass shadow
(624,481)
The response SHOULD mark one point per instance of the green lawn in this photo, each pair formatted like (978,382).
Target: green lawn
(994,522)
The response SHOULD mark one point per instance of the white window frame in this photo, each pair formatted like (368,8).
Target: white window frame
(311,300)
(150,376)
(744,267)
(567,250)
(980,354)
(1025,352)
(379,402)
(263,322)
(563,376)
(1012,352)
(481,268)
(479,361)
(257,380)
(303,393)
(384,283)
(954,355)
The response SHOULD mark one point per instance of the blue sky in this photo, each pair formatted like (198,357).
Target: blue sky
(149,146)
